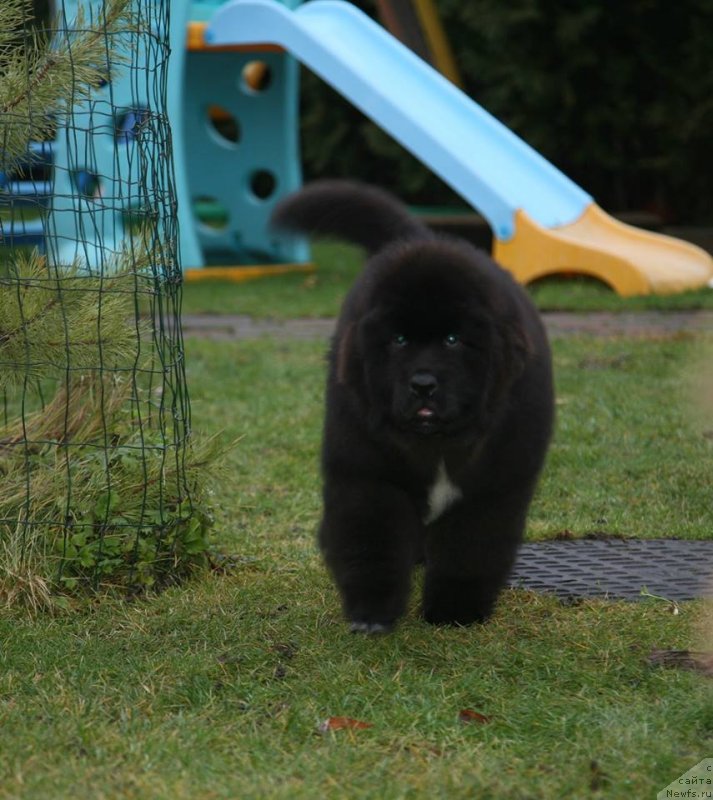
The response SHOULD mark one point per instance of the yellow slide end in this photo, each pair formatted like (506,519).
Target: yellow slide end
(630,260)
(244,273)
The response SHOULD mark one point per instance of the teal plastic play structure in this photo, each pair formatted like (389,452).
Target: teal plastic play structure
(27,193)
(233,106)
(239,149)
(112,179)
(240,174)
(208,165)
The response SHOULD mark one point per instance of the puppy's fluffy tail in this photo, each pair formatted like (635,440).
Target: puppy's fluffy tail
(347,210)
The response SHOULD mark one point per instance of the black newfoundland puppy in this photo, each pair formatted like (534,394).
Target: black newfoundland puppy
(439,412)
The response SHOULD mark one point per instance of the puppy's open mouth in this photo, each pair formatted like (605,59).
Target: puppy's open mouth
(425,419)
(420,417)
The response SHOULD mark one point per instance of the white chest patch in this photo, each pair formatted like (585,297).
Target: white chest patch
(442,494)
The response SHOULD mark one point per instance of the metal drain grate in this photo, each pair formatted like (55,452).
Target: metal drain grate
(618,568)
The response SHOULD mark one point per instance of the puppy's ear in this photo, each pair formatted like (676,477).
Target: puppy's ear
(512,349)
(518,346)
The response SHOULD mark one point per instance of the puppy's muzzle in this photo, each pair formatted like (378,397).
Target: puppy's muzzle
(423,384)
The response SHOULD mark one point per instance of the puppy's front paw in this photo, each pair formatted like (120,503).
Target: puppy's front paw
(371,628)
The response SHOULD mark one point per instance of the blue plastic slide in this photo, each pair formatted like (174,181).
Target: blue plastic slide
(543,223)
(487,164)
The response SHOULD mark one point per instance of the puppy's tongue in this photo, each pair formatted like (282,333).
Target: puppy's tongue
(424,413)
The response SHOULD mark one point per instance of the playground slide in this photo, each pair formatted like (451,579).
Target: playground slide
(543,222)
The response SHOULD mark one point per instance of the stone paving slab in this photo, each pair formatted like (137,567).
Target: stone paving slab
(633,324)
(237,326)
(642,324)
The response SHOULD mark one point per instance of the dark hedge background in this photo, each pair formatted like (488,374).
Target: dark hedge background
(619,95)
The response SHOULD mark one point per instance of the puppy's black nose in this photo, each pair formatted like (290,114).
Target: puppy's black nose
(423,384)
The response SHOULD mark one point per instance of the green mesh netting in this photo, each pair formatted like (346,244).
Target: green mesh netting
(96,475)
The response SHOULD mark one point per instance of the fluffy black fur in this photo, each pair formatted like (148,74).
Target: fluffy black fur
(439,413)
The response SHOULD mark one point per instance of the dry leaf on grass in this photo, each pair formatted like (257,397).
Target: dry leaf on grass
(468,715)
(339,723)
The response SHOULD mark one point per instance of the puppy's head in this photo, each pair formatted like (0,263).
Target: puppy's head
(435,343)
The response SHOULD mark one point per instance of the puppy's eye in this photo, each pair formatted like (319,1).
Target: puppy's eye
(451,340)
(399,340)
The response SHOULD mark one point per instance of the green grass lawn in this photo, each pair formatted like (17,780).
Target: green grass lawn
(320,294)
(216,689)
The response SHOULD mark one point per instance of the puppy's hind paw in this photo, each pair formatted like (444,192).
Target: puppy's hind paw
(371,628)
